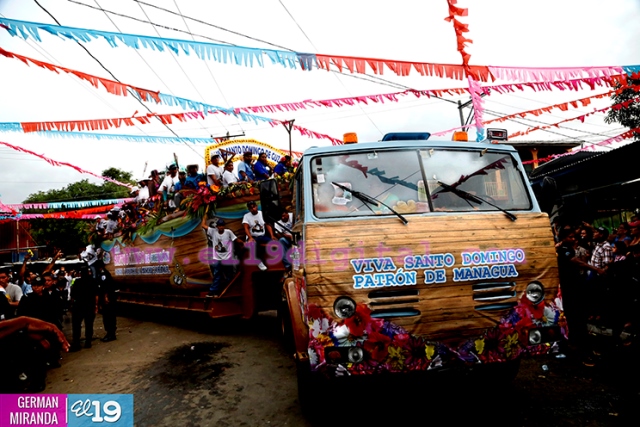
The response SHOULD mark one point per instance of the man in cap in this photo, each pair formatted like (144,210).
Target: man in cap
(257,231)
(167,188)
(214,171)
(283,165)
(261,169)
(135,190)
(180,185)
(143,193)
(245,168)
(193,177)
(222,261)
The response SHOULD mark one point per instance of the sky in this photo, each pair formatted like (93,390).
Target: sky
(544,33)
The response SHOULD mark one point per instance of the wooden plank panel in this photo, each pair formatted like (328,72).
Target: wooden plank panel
(446,308)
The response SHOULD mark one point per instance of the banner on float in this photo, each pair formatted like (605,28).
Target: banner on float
(240,146)
(67,410)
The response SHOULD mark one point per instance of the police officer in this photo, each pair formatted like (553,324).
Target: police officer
(108,296)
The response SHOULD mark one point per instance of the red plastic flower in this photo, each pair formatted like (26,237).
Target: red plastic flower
(359,321)
(378,346)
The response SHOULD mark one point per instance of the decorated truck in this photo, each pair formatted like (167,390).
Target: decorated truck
(418,255)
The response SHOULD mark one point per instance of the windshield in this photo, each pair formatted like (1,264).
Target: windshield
(397,179)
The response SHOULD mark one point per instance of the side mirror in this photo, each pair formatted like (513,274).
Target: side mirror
(270,200)
(549,194)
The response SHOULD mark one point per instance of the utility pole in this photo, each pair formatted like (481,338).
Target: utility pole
(288,125)
(226,137)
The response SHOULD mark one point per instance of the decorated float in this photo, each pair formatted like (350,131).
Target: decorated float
(162,259)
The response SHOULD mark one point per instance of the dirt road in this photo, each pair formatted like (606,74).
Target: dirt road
(187,370)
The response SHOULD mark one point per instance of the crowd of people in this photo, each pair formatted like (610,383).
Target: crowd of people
(599,277)
(42,302)
(225,245)
(219,173)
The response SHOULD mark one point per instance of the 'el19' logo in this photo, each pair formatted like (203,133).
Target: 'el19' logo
(92,408)
(114,410)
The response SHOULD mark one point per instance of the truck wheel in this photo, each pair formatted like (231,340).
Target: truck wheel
(285,326)
(310,388)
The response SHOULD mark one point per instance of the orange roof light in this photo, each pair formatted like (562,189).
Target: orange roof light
(460,135)
(350,138)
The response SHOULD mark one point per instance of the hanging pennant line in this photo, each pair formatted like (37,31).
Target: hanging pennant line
(305,61)
(625,135)
(120,89)
(582,117)
(70,204)
(58,163)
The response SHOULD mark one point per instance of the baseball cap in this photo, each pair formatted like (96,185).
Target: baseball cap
(134,189)
(220,222)
(173,166)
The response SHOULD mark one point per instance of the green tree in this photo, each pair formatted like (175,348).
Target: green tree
(70,235)
(628,116)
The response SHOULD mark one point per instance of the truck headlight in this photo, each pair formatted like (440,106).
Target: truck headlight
(535,292)
(535,337)
(344,307)
(356,355)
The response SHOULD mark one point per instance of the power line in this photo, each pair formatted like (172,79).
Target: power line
(174,59)
(212,25)
(111,74)
(224,98)
(147,22)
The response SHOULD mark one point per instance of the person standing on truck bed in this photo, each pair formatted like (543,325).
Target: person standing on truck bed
(223,261)
(215,171)
(256,230)
(261,168)
(245,168)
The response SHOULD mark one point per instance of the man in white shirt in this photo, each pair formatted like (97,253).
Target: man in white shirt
(283,228)
(215,171)
(143,192)
(167,188)
(223,260)
(258,232)
(228,176)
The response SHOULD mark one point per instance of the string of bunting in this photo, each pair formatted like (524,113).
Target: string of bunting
(120,89)
(58,163)
(67,126)
(247,56)
(618,138)
(582,117)
(563,106)
(71,204)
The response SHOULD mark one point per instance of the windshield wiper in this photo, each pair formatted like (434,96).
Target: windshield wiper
(475,199)
(369,200)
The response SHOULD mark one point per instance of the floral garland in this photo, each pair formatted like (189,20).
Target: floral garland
(390,348)
(196,201)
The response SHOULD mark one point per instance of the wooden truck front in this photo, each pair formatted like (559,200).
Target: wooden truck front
(419,256)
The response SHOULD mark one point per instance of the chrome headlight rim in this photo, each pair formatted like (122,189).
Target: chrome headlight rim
(535,292)
(355,355)
(344,307)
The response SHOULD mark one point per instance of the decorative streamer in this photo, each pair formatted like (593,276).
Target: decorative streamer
(617,106)
(111,86)
(475,90)
(625,135)
(246,56)
(71,204)
(57,163)
(120,89)
(94,124)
